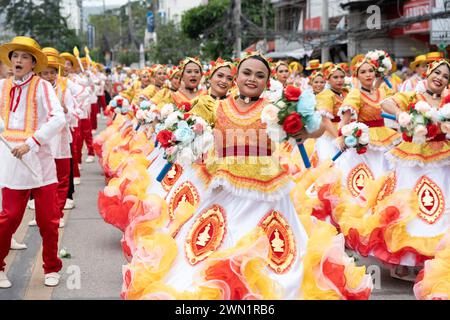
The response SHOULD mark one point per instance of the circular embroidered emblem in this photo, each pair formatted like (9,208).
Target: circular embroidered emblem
(206,234)
(431,200)
(356,180)
(281,239)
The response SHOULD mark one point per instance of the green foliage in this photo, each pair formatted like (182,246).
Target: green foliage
(34,20)
(212,25)
(127,57)
(172,45)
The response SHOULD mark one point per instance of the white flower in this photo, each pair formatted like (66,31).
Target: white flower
(348,129)
(364,139)
(269,114)
(433,114)
(171,119)
(420,131)
(166,110)
(445,127)
(404,119)
(422,107)
(387,63)
(185,157)
(140,114)
(276,133)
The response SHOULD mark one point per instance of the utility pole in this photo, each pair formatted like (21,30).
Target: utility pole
(130,22)
(266,47)
(237,28)
(80,6)
(325,27)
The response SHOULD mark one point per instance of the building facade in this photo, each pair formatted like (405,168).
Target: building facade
(72,11)
(172,10)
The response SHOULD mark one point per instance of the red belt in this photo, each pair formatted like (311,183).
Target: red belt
(439,137)
(336,119)
(374,123)
(245,151)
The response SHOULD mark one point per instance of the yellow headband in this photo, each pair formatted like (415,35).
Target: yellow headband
(187,60)
(219,63)
(436,64)
(327,72)
(253,54)
(315,74)
(358,65)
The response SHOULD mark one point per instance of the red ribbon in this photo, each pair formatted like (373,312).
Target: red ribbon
(12,94)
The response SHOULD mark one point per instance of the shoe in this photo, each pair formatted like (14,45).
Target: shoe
(52,279)
(61,223)
(70,204)
(404,273)
(76,181)
(30,205)
(90,159)
(4,282)
(32,223)
(17,246)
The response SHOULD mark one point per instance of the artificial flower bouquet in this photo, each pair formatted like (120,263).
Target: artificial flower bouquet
(382,62)
(356,135)
(185,138)
(421,123)
(294,112)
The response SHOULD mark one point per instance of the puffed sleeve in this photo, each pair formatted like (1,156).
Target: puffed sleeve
(351,102)
(205,106)
(325,104)
(402,99)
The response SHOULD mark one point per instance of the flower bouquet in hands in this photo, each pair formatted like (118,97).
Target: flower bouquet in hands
(185,138)
(444,115)
(146,114)
(382,62)
(292,114)
(356,135)
(420,124)
(120,105)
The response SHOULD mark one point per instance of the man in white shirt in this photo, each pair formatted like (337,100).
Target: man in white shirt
(31,115)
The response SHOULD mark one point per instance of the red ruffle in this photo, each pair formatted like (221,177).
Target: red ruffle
(222,271)
(376,244)
(335,273)
(325,210)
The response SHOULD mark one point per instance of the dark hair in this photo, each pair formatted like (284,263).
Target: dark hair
(266,63)
(10,55)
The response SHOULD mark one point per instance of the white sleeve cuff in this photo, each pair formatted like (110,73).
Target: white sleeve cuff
(343,109)
(326,114)
(31,142)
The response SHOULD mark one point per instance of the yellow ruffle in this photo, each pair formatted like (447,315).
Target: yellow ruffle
(383,136)
(436,280)
(425,153)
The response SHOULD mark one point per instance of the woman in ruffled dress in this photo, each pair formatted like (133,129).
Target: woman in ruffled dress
(363,105)
(423,168)
(245,240)
(328,103)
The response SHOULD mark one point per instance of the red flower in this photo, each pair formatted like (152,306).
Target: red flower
(293,123)
(165,137)
(292,93)
(433,130)
(340,132)
(411,106)
(361,150)
(447,99)
(358,133)
(185,106)
(186,116)
(406,137)
(119,102)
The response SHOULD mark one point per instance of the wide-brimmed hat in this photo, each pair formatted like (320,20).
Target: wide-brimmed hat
(24,44)
(418,60)
(434,56)
(53,57)
(313,65)
(71,58)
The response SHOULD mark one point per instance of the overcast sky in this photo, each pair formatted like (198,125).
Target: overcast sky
(98,3)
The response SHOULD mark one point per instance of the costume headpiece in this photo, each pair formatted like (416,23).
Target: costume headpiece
(24,44)
(436,64)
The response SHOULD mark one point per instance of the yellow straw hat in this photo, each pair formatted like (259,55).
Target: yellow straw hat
(295,66)
(70,57)
(313,65)
(418,60)
(434,56)
(53,57)
(24,44)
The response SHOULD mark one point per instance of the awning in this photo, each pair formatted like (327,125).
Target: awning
(296,54)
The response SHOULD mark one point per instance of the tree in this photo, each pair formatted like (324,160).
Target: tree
(42,22)
(212,25)
(172,45)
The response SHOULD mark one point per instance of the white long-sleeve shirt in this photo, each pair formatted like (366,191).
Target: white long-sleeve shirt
(32,114)
(83,95)
(60,144)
